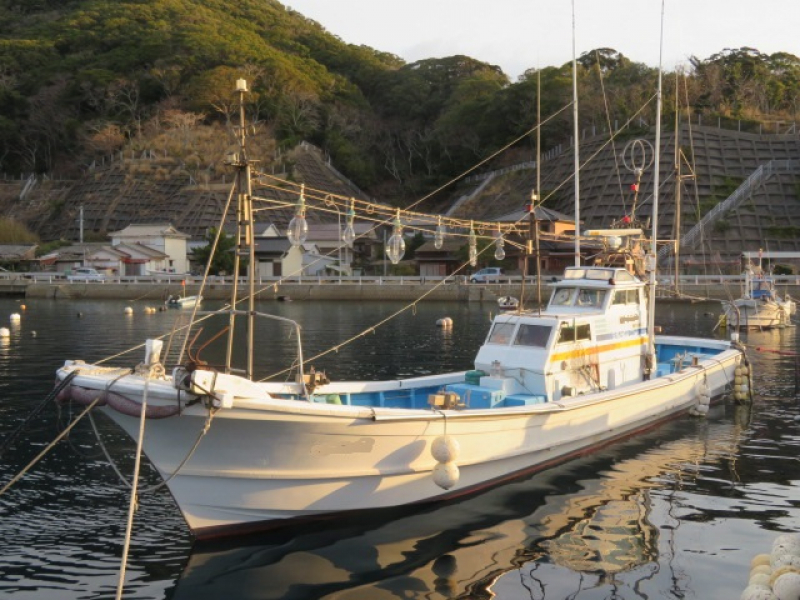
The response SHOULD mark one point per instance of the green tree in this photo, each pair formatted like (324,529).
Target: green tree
(223,260)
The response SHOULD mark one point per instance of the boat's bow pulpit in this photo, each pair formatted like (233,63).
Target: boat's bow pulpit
(592,336)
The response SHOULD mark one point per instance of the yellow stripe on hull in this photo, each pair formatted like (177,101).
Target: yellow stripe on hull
(579,352)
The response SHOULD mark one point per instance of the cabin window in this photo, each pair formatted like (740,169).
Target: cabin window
(533,335)
(576,333)
(590,297)
(626,296)
(501,333)
(562,297)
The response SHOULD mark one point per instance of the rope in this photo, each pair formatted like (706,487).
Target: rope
(165,480)
(132,504)
(50,446)
(64,383)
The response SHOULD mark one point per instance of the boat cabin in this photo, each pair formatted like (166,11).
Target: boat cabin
(591,336)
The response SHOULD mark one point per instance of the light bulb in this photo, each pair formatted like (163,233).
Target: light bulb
(438,236)
(298,226)
(349,235)
(499,242)
(396,247)
(298,230)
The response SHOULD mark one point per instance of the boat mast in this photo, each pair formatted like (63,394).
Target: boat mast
(653,256)
(244,244)
(577,153)
(678,184)
(538,194)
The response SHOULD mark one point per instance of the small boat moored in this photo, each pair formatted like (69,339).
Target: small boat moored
(183,301)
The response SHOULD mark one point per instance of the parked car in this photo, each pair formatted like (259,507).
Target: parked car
(489,274)
(85,274)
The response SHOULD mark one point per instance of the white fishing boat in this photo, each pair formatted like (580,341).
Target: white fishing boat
(240,454)
(183,301)
(760,306)
(507,303)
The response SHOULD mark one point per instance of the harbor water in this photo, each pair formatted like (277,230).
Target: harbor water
(677,511)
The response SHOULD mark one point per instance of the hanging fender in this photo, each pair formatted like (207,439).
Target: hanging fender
(118,402)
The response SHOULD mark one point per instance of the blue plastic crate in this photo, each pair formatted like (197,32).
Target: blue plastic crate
(475,396)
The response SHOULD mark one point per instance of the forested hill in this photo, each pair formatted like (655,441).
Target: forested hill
(81,79)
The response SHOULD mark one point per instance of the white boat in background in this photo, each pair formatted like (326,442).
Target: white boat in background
(183,301)
(508,303)
(239,454)
(760,307)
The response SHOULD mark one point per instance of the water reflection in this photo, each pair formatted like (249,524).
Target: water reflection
(677,512)
(591,515)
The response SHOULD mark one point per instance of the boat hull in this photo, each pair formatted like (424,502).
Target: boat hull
(264,461)
(756,314)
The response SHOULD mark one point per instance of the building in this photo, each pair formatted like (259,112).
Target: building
(171,254)
(17,257)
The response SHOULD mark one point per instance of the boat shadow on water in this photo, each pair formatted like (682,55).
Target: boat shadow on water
(580,525)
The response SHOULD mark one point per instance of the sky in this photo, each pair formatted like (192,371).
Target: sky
(522,34)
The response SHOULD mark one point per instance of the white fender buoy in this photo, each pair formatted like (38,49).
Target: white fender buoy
(445,449)
(787,586)
(33,333)
(786,543)
(781,571)
(759,579)
(446,475)
(5,332)
(785,560)
(757,592)
(22,307)
(128,310)
(762,568)
(15,317)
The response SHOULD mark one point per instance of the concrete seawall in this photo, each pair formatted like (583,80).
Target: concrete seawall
(406,292)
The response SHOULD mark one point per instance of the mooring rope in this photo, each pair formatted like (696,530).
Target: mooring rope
(132,503)
(64,383)
(50,446)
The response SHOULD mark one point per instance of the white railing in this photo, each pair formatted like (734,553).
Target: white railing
(59,278)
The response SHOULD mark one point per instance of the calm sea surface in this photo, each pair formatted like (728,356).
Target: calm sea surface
(676,512)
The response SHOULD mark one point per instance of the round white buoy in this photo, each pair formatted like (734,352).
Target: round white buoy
(445,449)
(787,586)
(762,568)
(757,592)
(785,560)
(786,543)
(5,332)
(781,571)
(15,317)
(22,307)
(446,475)
(759,579)
(33,333)
(449,321)
(128,310)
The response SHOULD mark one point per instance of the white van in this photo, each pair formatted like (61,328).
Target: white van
(86,274)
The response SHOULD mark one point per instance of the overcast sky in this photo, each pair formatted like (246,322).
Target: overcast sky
(522,34)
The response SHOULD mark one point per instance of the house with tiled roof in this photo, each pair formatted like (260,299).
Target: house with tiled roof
(169,245)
